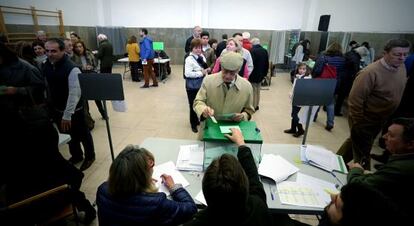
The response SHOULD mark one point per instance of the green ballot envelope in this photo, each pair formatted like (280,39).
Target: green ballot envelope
(216,144)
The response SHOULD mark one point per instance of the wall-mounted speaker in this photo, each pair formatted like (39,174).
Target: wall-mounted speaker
(324,22)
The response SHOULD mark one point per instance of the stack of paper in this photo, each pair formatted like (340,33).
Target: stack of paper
(322,158)
(276,167)
(190,158)
(169,169)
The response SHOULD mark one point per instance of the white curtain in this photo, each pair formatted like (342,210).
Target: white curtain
(278,45)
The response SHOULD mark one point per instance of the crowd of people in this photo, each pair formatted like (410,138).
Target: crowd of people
(221,79)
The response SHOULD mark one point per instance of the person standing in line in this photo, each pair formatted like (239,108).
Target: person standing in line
(104,54)
(68,47)
(221,46)
(232,46)
(85,60)
(41,36)
(207,50)
(246,43)
(196,34)
(261,67)
(302,52)
(66,104)
(147,55)
(246,54)
(195,69)
(133,50)
(375,95)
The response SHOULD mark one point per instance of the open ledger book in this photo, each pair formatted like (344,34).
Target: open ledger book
(322,158)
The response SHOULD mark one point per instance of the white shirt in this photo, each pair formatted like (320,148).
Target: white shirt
(191,68)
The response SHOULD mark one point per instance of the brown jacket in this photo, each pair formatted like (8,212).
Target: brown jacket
(376,92)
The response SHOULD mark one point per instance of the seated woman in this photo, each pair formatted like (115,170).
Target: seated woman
(130,197)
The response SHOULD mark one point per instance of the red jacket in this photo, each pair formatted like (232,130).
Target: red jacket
(247,44)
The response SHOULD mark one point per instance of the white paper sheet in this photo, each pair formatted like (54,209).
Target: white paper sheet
(323,158)
(324,188)
(190,158)
(226,129)
(200,197)
(169,169)
(293,193)
(276,167)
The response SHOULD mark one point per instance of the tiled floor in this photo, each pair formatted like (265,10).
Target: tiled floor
(163,112)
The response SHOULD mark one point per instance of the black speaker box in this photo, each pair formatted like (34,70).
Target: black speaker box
(324,22)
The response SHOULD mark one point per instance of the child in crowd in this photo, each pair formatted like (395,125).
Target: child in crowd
(296,128)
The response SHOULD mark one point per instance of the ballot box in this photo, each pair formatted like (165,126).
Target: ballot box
(216,144)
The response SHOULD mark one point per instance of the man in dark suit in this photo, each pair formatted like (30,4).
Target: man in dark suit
(196,34)
(261,67)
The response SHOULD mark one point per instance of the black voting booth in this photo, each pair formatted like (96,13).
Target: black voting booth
(102,87)
(313,92)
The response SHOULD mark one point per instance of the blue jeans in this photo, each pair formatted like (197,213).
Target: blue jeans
(330,114)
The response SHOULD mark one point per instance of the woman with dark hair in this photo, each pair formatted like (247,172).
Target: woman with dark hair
(83,58)
(132,49)
(332,56)
(130,196)
(302,52)
(40,52)
(195,69)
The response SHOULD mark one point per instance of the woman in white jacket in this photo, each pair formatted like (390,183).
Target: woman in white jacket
(195,68)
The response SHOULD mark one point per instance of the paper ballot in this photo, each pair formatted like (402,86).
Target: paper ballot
(169,169)
(190,158)
(226,129)
(276,167)
(322,158)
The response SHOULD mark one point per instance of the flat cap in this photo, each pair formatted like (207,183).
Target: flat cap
(231,61)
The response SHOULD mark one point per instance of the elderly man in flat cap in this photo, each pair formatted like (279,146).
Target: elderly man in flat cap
(226,93)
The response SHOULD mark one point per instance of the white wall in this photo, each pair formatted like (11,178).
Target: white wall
(152,13)
(259,14)
(350,15)
(366,15)
(75,12)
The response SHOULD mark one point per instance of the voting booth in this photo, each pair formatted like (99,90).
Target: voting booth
(216,144)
